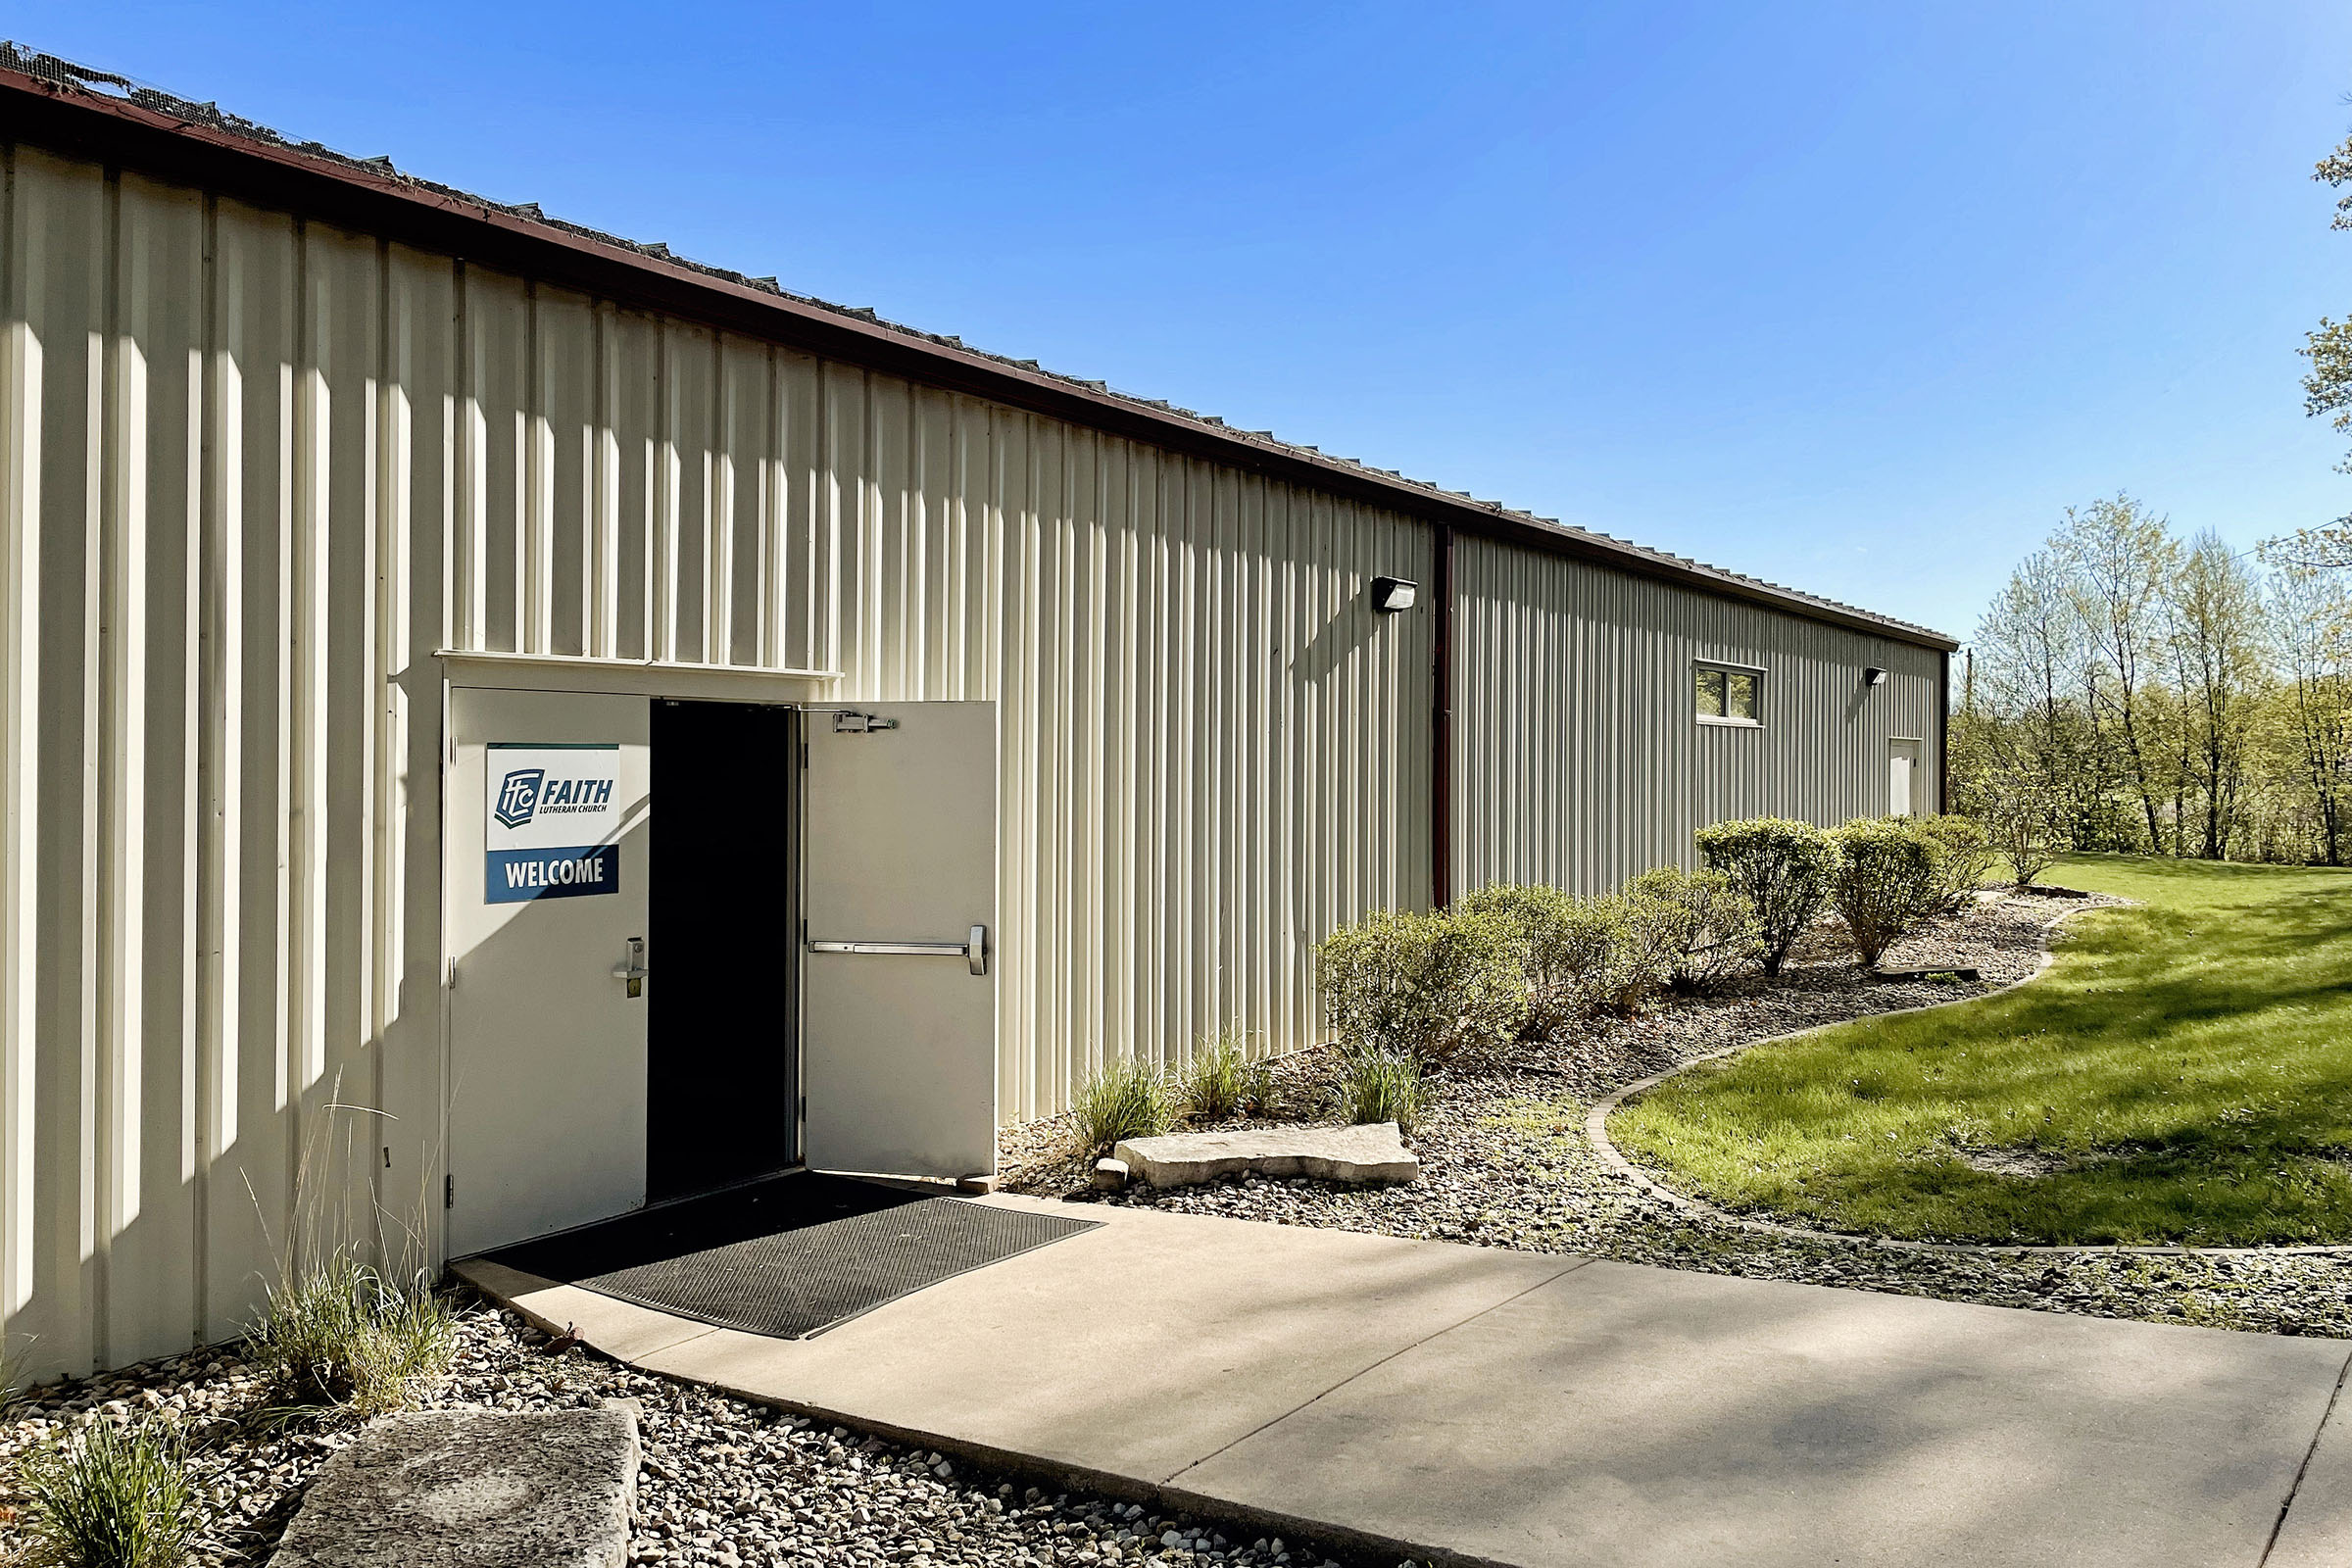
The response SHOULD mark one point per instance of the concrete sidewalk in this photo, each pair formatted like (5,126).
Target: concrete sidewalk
(1525,1408)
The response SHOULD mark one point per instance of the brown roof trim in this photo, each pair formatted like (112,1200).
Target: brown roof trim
(357,196)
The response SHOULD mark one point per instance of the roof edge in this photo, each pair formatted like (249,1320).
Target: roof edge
(116,132)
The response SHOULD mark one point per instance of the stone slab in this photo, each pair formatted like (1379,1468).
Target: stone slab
(1649,1418)
(474,1488)
(1371,1153)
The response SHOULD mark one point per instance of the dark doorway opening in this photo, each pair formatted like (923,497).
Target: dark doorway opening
(722,1074)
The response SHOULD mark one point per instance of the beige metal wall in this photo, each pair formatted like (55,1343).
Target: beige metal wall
(1577,756)
(255,473)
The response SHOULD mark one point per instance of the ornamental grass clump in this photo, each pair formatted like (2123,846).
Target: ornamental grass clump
(1377,1086)
(109,1497)
(1422,985)
(1782,867)
(1127,1099)
(1889,882)
(1705,931)
(340,1333)
(1222,1079)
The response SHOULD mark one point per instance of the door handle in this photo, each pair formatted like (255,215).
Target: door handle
(974,948)
(632,968)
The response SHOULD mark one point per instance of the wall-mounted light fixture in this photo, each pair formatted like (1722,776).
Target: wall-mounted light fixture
(1391,595)
(1874,676)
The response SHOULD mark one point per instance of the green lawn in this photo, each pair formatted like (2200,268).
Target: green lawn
(2190,1060)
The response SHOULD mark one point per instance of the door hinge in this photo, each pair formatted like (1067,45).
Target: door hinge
(453,974)
(449,1192)
(804,756)
(803,1107)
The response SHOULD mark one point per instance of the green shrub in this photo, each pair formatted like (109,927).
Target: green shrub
(1965,857)
(341,1333)
(1377,1086)
(1890,876)
(1127,1099)
(1783,868)
(1635,965)
(111,1499)
(1421,985)
(1221,1079)
(1704,929)
(1575,956)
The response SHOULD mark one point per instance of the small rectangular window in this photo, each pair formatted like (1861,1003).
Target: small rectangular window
(1730,696)
(1710,693)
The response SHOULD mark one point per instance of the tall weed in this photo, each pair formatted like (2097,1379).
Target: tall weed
(337,1332)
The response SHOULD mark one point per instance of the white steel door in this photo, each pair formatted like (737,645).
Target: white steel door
(1902,763)
(545,893)
(901,1039)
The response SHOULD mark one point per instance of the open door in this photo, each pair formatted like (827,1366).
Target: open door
(900,1047)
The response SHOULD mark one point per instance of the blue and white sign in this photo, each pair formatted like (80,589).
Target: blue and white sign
(554,824)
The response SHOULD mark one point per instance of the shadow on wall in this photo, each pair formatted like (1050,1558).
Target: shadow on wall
(1354,627)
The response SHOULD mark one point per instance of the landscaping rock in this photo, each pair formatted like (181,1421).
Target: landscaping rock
(722,1484)
(475,1489)
(1111,1174)
(1356,1156)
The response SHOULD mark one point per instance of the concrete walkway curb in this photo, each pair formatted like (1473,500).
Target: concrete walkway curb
(1596,1133)
(1381,1398)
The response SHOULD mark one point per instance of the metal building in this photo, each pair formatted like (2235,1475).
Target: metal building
(372,551)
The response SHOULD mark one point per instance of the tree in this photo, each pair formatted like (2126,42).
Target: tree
(2213,612)
(2327,390)
(2311,611)
(2034,723)
(2118,556)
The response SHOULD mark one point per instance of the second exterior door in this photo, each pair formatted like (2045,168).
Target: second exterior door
(1902,774)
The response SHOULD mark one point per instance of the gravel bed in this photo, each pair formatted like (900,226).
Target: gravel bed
(1504,1161)
(726,1483)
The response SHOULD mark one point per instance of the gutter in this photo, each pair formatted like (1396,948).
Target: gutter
(1440,724)
(118,134)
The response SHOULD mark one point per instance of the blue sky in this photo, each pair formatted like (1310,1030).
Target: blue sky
(1855,297)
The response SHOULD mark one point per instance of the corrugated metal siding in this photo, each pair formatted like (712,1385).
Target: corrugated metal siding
(219,797)
(1577,756)
(255,471)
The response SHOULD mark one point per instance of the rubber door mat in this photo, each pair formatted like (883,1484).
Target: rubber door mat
(790,1256)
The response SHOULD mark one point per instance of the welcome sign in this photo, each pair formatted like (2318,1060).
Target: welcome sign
(554,822)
